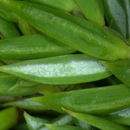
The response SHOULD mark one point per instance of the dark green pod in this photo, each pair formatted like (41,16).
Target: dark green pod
(30,47)
(94,40)
(67,69)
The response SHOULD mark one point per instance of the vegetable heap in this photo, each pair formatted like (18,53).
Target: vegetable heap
(64,64)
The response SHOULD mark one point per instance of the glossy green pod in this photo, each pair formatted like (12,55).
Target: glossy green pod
(8,118)
(66,69)
(67,5)
(7,29)
(89,7)
(116,16)
(121,69)
(64,127)
(94,100)
(30,47)
(122,116)
(94,40)
(97,121)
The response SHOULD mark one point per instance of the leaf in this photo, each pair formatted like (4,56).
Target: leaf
(89,7)
(8,118)
(34,123)
(116,16)
(94,100)
(71,30)
(121,69)
(29,105)
(67,5)
(7,29)
(68,69)
(54,127)
(96,121)
(122,116)
(126,5)
(12,86)
(25,47)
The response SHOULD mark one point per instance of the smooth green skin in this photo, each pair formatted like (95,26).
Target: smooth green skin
(121,116)
(66,69)
(96,121)
(94,100)
(64,127)
(94,40)
(67,5)
(92,10)
(121,69)
(34,123)
(8,29)
(31,47)
(116,16)
(8,118)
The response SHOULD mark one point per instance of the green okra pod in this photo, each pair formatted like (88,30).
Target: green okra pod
(66,69)
(94,40)
(31,46)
